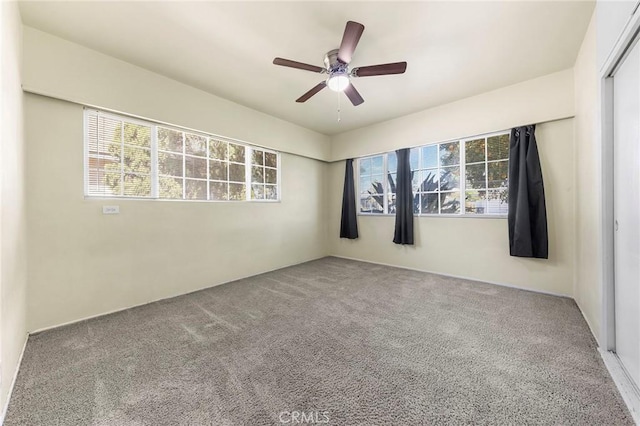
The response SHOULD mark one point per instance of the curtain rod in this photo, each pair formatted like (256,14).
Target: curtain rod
(485,134)
(257,145)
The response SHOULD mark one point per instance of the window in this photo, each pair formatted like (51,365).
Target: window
(436,183)
(264,175)
(486,171)
(466,177)
(371,184)
(126,157)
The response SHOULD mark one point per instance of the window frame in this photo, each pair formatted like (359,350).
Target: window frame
(463,178)
(154,172)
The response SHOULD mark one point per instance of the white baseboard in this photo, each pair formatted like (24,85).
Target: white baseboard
(533,290)
(13,380)
(626,387)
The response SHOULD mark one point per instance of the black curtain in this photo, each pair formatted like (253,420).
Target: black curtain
(348,224)
(527,210)
(404,200)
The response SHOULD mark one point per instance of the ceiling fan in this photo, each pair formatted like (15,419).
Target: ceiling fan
(336,64)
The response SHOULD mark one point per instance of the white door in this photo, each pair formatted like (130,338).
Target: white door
(626,124)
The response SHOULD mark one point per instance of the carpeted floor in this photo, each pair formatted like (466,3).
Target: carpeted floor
(351,342)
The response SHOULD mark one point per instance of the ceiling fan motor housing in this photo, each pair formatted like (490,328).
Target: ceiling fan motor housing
(333,64)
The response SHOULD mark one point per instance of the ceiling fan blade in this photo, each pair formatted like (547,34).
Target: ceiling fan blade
(298,65)
(312,92)
(352,33)
(353,95)
(384,69)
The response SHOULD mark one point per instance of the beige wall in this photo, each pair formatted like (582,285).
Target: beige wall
(66,70)
(476,248)
(12,201)
(84,263)
(587,290)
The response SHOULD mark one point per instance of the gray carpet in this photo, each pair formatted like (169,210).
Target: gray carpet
(353,342)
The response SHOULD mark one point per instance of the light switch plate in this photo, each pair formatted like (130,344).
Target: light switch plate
(110,209)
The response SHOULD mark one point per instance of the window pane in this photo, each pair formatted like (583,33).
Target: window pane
(450,202)
(195,144)
(111,151)
(498,201)
(218,149)
(365,184)
(218,170)
(138,135)
(104,162)
(109,130)
(137,160)
(376,184)
(474,151)
(392,162)
(475,202)
(236,153)
(218,191)
(476,177)
(391,182)
(169,164)
(429,203)
(137,185)
(365,166)
(170,187)
(449,178)
(97,183)
(169,140)
(113,179)
(237,191)
(429,180)
(257,174)
(257,192)
(416,203)
(449,153)
(371,204)
(236,172)
(270,192)
(271,175)
(391,200)
(376,165)
(257,157)
(195,189)
(413,158)
(270,159)
(196,168)
(498,147)
(416,180)
(430,156)
(498,174)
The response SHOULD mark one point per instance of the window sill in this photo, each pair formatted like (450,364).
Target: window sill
(467,216)
(103,199)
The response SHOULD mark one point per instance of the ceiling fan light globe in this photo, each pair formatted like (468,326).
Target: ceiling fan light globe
(338,82)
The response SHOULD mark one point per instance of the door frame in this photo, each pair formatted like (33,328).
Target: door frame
(623,46)
(627,40)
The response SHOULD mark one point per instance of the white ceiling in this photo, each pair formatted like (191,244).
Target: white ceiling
(453,49)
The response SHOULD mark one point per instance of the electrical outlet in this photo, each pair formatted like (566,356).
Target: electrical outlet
(110,209)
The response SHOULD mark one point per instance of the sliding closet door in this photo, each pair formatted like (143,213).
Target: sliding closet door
(626,106)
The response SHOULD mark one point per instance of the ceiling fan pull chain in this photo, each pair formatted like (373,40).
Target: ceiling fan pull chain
(338,106)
